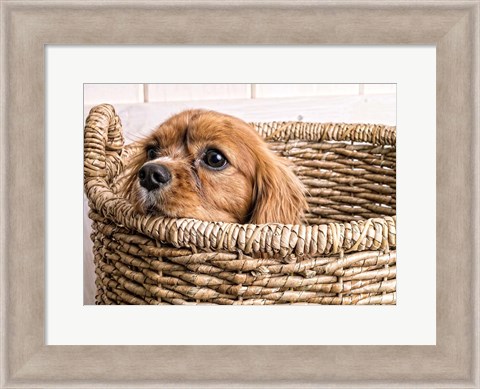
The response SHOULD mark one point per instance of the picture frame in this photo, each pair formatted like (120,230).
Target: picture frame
(453,26)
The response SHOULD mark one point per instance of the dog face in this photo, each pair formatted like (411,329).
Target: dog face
(214,167)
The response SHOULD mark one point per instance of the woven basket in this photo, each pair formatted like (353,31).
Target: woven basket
(344,254)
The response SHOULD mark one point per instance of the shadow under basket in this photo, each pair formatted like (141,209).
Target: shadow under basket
(343,254)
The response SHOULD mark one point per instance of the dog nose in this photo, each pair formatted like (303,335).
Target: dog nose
(153,176)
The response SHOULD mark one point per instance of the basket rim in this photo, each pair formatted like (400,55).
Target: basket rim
(373,133)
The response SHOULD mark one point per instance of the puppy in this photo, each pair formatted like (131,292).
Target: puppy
(214,167)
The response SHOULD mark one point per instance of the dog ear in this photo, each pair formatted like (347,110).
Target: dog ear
(279,196)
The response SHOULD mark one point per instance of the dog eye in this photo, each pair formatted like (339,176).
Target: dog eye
(151,153)
(214,159)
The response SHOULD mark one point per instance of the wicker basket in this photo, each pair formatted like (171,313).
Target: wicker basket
(344,254)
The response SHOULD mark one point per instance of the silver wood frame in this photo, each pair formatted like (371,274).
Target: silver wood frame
(27,26)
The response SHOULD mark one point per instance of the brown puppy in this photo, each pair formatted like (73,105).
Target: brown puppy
(210,166)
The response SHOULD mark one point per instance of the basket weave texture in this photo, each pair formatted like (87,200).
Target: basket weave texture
(343,254)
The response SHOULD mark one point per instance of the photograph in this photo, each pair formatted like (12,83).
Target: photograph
(240,194)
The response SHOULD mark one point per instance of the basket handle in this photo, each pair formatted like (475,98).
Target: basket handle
(103,143)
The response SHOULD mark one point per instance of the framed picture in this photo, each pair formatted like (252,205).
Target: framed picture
(28,359)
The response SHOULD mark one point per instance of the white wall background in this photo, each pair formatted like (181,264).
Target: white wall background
(147,93)
(142,107)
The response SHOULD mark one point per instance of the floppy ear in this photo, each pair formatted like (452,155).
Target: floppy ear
(279,196)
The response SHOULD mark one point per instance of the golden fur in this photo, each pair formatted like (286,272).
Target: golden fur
(256,186)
